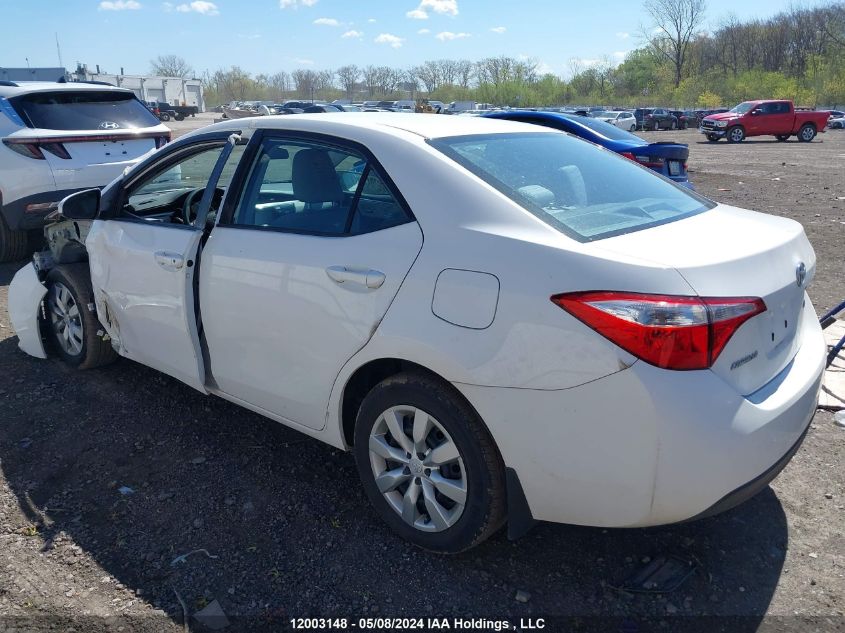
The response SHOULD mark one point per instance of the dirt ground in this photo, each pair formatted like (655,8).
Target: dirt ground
(284,530)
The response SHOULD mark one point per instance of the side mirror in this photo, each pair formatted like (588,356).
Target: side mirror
(82,205)
(755,112)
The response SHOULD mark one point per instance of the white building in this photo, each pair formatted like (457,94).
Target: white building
(172,90)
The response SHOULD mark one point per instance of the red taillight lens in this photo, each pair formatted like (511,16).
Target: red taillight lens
(30,150)
(654,162)
(57,149)
(672,332)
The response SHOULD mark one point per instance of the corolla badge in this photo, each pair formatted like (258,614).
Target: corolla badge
(109,125)
(800,274)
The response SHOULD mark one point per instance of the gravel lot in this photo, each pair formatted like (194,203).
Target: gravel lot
(287,530)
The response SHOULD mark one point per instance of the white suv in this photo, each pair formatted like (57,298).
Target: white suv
(59,138)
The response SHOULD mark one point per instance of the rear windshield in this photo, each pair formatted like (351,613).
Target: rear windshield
(83,110)
(605,129)
(583,191)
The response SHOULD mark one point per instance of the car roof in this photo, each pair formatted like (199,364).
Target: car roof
(28,87)
(392,123)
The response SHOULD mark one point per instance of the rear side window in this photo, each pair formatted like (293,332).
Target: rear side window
(607,130)
(83,110)
(303,187)
(581,190)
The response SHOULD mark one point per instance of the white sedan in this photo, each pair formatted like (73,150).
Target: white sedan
(504,323)
(623,120)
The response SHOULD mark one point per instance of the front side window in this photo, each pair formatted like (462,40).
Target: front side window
(581,190)
(306,187)
(173,193)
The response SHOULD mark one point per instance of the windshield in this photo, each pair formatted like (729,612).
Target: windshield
(743,107)
(84,110)
(583,191)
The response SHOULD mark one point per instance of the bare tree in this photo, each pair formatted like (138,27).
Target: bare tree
(348,77)
(674,23)
(305,82)
(280,85)
(171,66)
(465,71)
(371,77)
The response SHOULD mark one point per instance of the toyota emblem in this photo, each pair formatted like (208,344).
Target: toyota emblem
(801,275)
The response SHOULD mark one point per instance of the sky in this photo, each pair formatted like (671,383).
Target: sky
(267,36)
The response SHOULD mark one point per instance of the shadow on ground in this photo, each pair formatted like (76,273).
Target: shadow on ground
(291,531)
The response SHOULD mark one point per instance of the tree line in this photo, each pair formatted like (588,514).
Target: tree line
(797,54)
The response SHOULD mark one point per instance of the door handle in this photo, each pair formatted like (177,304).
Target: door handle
(169,261)
(369,278)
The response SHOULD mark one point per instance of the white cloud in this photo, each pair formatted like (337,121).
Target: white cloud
(326,22)
(167,6)
(119,5)
(198,6)
(499,29)
(620,55)
(295,4)
(352,33)
(448,36)
(444,7)
(393,41)
(372,20)
(622,35)
(302,61)
(423,32)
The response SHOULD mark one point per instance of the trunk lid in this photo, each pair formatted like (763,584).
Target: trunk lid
(731,252)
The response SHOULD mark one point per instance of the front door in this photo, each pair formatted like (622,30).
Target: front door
(143,261)
(296,278)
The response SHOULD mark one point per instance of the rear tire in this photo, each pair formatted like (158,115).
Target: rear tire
(164,116)
(71,324)
(674,125)
(456,455)
(807,133)
(735,135)
(180,117)
(782,137)
(13,244)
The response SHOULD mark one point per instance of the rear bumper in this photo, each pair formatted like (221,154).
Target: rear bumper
(646,446)
(29,212)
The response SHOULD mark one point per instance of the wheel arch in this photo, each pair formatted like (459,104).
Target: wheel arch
(367,376)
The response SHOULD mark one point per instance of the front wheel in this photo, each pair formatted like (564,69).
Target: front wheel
(164,116)
(713,138)
(807,133)
(72,325)
(428,464)
(736,135)
(782,137)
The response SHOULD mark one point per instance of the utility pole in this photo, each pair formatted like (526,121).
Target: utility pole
(59,51)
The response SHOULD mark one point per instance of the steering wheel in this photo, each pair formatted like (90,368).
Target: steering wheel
(190,207)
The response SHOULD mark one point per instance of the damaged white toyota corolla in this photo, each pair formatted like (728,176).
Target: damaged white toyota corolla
(504,323)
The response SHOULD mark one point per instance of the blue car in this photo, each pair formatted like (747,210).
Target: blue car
(666,158)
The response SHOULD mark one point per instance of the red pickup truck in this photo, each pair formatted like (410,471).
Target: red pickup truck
(761,118)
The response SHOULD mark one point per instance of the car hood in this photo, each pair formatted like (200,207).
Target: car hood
(722,116)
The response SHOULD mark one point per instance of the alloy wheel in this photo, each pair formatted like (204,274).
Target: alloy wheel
(418,468)
(808,133)
(65,319)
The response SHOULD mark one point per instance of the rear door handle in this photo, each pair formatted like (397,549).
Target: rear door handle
(369,278)
(169,261)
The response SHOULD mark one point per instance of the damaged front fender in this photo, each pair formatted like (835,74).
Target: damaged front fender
(25,295)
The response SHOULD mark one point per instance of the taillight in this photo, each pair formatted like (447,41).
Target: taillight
(30,150)
(672,332)
(653,162)
(57,149)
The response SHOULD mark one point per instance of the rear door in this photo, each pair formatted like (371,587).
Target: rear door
(300,271)
(143,259)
